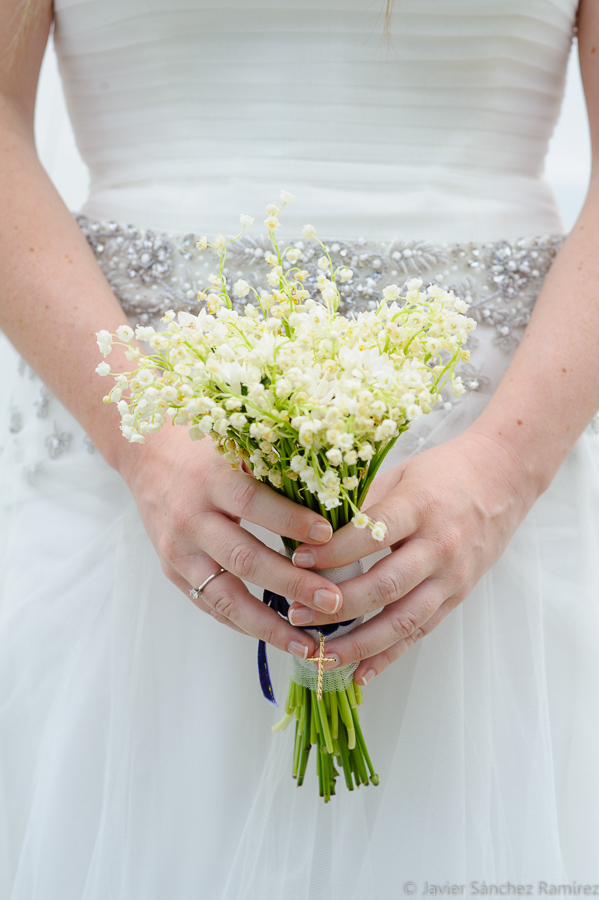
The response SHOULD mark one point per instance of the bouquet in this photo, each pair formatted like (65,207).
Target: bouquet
(312,401)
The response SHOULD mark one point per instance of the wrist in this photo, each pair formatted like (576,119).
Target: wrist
(166,449)
(527,452)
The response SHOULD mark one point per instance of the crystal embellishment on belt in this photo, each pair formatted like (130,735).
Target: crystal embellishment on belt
(151,271)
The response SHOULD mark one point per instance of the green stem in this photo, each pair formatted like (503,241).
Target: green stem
(297,747)
(351,695)
(290,701)
(324,724)
(306,745)
(362,743)
(313,722)
(345,761)
(334,714)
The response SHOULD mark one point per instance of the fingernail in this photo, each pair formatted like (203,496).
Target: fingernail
(301,615)
(303,558)
(298,649)
(332,662)
(320,531)
(327,601)
(368,676)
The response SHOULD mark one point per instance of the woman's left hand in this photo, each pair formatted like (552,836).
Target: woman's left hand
(450,513)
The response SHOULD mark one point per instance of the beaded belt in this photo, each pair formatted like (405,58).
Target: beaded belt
(151,271)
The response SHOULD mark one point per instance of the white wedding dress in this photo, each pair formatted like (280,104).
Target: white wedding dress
(136,756)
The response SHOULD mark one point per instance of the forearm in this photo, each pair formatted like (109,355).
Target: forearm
(550,391)
(54,297)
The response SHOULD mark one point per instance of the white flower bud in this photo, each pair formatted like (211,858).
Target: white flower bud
(308,232)
(294,255)
(145,377)
(345,441)
(379,530)
(266,300)
(124,333)
(391,292)
(169,394)
(237,420)
(334,456)
(413,411)
(103,369)
(297,463)
(275,478)
(104,340)
(205,424)
(274,275)
(246,220)
(144,332)
(241,288)
(360,520)
(365,452)
(286,197)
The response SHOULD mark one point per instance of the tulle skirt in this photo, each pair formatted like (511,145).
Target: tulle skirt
(136,755)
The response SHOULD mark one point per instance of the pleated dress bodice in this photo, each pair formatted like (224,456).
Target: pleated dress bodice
(190,112)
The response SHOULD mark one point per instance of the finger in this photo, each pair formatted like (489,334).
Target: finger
(395,623)
(383,484)
(230,603)
(373,666)
(242,553)
(228,597)
(388,580)
(242,495)
(185,586)
(398,513)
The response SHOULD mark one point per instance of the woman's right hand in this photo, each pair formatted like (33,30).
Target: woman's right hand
(191,502)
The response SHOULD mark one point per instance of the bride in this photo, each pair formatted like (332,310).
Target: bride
(136,755)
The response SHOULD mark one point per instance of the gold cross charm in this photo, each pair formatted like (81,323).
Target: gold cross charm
(320,659)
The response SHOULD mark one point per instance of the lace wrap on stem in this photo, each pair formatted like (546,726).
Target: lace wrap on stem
(306,673)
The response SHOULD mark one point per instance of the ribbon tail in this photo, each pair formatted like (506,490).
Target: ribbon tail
(280,605)
(264,674)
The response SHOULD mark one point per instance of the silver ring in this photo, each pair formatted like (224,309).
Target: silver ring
(194,593)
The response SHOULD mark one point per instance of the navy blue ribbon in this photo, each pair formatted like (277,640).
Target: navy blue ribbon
(281,605)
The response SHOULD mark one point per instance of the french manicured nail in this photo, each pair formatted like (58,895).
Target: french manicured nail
(327,601)
(368,676)
(303,558)
(301,616)
(320,531)
(298,649)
